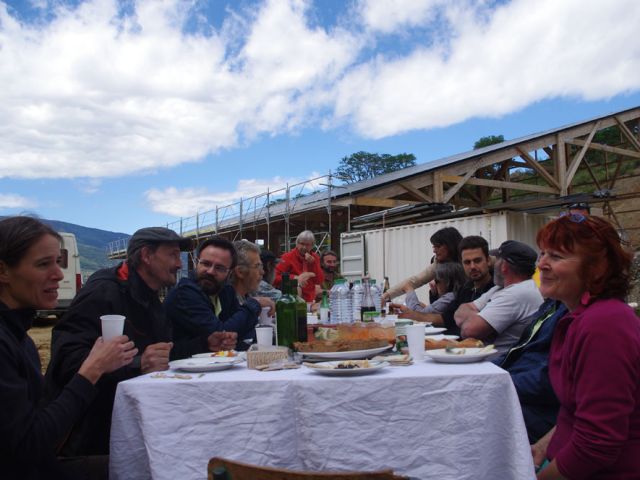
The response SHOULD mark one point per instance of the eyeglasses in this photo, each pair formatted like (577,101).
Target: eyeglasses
(207,265)
(255,265)
(574,217)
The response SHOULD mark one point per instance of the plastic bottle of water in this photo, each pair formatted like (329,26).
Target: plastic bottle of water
(356,298)
(334,302)
(344,298)
(377,294)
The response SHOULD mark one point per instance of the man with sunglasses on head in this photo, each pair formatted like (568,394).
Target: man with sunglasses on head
(205,302)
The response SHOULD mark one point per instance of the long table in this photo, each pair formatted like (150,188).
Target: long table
(427,420)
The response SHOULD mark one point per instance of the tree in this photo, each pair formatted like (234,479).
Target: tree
(486,141)
(362,165)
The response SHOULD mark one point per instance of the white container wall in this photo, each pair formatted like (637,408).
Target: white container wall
(399,252)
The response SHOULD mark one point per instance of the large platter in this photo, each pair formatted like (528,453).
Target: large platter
(470,355)
(203,364)
(434,330)
(348,355)
(328,368)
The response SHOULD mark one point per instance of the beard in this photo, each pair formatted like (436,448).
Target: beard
(329,269)
(209,284)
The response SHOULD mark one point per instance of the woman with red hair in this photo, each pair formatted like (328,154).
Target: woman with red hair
(594,362)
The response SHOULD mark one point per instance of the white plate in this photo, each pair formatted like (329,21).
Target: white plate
(203,364)
(349,355)
(470,355)
(434,330)
(345,372)
(438,337)
(212,356)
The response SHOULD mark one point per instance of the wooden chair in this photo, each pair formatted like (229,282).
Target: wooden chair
(243,471)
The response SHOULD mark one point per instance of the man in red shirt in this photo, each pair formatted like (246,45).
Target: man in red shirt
(303,264)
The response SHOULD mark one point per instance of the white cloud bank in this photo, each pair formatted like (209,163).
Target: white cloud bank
(94,93)
(11,200)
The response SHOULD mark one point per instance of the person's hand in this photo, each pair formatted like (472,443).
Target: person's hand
(309,258)
(156,357)
(398,308)
(267,302)
(304,277)
(539,454)
(105,357)
(222,341)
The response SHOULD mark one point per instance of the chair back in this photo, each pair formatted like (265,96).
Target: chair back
(243,471)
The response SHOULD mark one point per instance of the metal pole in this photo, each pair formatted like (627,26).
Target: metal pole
(286,221)
(216,219)
(241,218)
(329,211)
(268,220)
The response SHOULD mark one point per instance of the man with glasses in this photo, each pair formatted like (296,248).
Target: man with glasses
(204,302)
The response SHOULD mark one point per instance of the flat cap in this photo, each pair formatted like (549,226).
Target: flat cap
(155,235)
(518,254)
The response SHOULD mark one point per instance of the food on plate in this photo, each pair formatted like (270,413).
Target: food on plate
(430,344)
(349,364)
(339,345)
(454,350)
(225,353)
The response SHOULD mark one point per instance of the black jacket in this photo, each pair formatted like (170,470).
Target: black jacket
(109,291)
(30,432)
(467,293)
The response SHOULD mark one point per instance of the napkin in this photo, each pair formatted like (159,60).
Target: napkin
(277,365)
(397,360)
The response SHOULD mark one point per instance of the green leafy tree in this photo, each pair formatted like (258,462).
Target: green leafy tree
(362,165)
(489,140)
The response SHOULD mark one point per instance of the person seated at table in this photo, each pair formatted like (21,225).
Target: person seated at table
(266,288)
(445,249)
(302,264)
(450,277)
(594,363)
(474,256)
(527,362)
(499,315)
(204,302)
(329,265)
(29,430)
(129,289)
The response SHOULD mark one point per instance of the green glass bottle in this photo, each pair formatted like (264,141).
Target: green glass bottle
(324,308)
(301,312)
(286,320)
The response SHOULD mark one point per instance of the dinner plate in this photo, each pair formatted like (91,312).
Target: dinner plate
(440,336)
(348,355)
(470,355)
(204,364)
(328,368)
(434,330)
(213,356)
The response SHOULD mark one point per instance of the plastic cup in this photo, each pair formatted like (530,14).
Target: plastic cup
(264,335)
(264,316)
(112,326)
(415,341)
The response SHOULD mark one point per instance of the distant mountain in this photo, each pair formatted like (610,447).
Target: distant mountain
(92,244)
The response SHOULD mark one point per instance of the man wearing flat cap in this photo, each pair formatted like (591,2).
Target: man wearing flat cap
(500,315)
(129,289)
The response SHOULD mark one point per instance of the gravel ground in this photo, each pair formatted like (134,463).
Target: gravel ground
(41,336)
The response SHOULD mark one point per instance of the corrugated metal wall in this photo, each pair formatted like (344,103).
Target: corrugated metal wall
(399,252)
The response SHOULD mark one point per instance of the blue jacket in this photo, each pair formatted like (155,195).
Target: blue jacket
(528,364)
(192,314)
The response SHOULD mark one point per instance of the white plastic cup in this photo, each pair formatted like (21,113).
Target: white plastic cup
(112,326)
(415,341)
(264,335)
(264,316)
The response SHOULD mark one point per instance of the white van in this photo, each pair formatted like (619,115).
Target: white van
(70,265)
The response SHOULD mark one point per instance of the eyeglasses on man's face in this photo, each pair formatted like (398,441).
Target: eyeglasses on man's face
(255,265)
(207,265)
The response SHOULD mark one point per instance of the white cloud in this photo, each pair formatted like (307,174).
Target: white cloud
(390,15)
(497,62)
(186,202)
(10,200)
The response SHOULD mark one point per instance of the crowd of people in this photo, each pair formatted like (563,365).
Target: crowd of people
(571,344)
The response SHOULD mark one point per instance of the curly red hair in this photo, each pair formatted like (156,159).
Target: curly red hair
(605,264)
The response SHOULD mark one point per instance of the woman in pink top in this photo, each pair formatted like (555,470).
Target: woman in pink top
(594,362)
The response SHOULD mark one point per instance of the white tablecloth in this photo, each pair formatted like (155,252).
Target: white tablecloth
(428,420)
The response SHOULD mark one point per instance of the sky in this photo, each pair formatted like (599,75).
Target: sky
(125,114)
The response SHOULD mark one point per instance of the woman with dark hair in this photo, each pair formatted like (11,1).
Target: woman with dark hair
(445,249)
(29,431)
(594,362)
(450,277)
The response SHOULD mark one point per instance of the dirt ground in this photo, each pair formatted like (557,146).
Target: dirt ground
(41,335)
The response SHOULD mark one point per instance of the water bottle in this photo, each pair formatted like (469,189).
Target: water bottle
(334,302)
(356,298)
(344,298)
(367,302)
(377,294)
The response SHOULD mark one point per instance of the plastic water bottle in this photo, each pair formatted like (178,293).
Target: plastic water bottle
(376,294)
(334,302)
(356,298)
(344,299)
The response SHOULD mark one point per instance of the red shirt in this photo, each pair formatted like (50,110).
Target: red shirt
(594,368)
(295,264)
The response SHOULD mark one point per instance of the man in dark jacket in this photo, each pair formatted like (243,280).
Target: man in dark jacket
(204,302)
(129,289)
(528,364)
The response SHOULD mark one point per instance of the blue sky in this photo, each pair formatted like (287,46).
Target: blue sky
(120,115)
